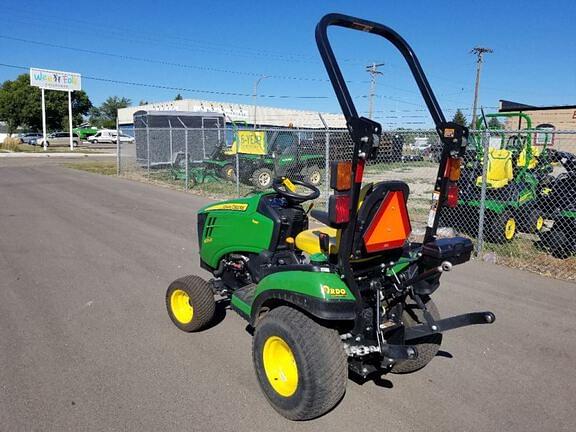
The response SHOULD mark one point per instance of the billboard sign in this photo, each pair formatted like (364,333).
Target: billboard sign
(55,80)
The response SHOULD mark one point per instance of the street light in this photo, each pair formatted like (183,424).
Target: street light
(255,95)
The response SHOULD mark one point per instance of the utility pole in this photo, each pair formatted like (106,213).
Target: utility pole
(479,52)
(373,71)
(255,95)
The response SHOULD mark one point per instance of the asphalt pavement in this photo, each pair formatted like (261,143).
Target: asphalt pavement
(86,343)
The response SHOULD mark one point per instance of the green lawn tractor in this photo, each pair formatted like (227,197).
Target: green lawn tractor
(216,168)
(354,294)
(517,174)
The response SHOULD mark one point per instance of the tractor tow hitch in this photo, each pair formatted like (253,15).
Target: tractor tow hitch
(446,324)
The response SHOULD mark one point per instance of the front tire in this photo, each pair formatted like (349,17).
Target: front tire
(190,303)
(301,365)
(313,175)
(427,346)
(502,227)
(262,178)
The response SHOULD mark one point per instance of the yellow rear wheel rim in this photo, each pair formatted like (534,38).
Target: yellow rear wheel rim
(181,307)
(280,366)
(510,229)
(539,223)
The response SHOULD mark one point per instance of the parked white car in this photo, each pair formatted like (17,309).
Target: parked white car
(109,136)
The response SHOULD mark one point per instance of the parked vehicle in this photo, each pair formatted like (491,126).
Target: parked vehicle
(284,152)
(57,139)
(85,132)
(27,137)
(109,136)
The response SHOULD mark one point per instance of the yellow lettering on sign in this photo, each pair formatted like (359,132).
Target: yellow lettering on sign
(250,142)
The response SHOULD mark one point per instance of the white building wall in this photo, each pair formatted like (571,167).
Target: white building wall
(268,116)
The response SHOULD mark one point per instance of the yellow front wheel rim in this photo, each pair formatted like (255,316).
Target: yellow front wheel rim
(539,223)
(510,229)
(280,366)
(181,307)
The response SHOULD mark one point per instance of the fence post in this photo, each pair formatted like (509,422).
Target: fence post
(482,209)
(326,160)
(148,150)
(186,177)
(237,174)
(118,159)
(171,143)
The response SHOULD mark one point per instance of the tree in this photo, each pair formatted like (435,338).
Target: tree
(21,106)
(459,118)
(105,115)
(178,97)
(494,123)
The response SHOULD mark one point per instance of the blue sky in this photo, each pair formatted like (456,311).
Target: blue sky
(189,44)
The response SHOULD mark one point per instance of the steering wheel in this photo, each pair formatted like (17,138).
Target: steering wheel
(285,187)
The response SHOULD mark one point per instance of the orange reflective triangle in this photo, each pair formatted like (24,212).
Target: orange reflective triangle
(390,226)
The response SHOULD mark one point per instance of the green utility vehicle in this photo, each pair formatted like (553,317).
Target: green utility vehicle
(84,131)
(517,174)
(264,154)
(354,294)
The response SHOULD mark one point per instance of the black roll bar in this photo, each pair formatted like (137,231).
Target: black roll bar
(335,75)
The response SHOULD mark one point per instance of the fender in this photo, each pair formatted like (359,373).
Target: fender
(323,295)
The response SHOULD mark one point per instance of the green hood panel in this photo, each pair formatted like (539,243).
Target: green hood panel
(324,286)
(234,226)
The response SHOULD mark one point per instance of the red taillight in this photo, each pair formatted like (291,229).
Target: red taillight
(452,197)
(339,208)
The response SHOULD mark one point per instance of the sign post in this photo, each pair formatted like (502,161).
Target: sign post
(44,119)
(56,80)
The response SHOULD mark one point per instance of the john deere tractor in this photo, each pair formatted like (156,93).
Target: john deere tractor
(516,175)
(354,293)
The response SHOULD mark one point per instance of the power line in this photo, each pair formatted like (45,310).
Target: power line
(184,89)
(155,61)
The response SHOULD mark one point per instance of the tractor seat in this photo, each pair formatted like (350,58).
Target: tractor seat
(309,240)
(521,162)
(499,169)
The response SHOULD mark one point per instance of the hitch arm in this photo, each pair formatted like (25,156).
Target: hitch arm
(446,324)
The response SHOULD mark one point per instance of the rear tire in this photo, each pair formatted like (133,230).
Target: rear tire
(427,346)
(531,221)
(301,366)
(227,172)
(190,303)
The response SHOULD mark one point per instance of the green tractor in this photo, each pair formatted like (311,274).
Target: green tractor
(354,294)
(217,167)
(518,173)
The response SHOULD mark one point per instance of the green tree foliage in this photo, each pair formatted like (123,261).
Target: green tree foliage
(178,97)
(460,118)
(21,106)
(105,115)
(494,123)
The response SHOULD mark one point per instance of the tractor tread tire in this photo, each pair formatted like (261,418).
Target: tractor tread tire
(427,346)
(257,172)
(201,299)
(321,359)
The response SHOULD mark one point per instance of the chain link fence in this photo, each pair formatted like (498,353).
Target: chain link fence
(516,193)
